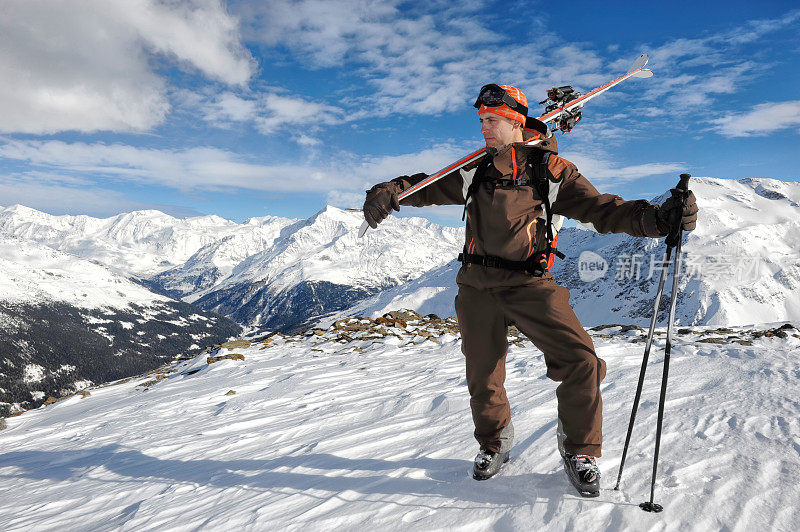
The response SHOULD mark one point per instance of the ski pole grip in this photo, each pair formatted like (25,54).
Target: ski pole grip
(680,191)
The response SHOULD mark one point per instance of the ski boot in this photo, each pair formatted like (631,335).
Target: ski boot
(488,463)
(581,470)
(583,473)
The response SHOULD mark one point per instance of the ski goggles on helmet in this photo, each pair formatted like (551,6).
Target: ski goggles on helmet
(493,95)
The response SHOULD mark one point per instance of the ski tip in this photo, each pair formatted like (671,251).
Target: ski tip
(363,229)
(643,73)
(640,62)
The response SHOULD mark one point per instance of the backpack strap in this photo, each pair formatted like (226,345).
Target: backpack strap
(541,182)
(477,178)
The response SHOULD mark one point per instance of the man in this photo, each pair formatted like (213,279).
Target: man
(514,199)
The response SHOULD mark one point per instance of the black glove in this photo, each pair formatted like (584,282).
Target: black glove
(381,199)
(679,208)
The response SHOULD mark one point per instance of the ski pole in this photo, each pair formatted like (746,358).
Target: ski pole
(673,239)
(637,397)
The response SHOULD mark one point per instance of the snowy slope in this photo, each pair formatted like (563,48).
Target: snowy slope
(34,273)
(269,272)
(742,265)
(319,265)
(66,322)
(370,430)
(139,243)
(742,262)
(215,262)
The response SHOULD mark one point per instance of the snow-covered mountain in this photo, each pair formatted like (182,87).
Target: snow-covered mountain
(366,426)
(320,265)
(742,262)
(270,272)
(741,265)
(66,322)
(142,243)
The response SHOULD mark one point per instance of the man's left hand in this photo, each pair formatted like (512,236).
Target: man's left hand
(677,210)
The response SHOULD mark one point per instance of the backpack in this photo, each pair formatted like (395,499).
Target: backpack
(541,261)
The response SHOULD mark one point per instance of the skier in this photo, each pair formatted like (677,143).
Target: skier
(514,197)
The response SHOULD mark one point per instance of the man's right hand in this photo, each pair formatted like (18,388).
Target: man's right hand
(381,199)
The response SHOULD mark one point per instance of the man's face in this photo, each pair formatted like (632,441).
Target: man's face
(498,130)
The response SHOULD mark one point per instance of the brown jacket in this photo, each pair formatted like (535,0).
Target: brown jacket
(508,221)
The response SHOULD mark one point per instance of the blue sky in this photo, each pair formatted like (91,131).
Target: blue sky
(243,109)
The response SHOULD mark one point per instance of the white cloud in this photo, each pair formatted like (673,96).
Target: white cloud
(345,199)
(228,107)
(425,59)
(280,110)
(75,177)
(378,169)
(208,168)
(293,116)
(201,168)
(91,65)
(690,73)
(600,171)
(762,119)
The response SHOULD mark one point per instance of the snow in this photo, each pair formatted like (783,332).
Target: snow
(34,273)
(139,243)
(741,265)
(326,248)
(33,373)
(374,433)
(743,256)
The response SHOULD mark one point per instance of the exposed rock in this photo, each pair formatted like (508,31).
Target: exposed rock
(713,340)
(236,344)
(84,394)
(744,342)
(231,392)
(50,400)
(601,327)
(2,423)
(391,322)
(356,327)
(404,315)
(232,356)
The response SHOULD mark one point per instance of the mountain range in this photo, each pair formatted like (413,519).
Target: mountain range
(740,266)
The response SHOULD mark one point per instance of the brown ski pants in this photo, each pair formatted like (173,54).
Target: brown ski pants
(541,311)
